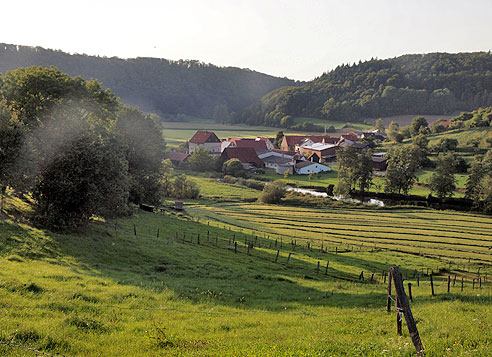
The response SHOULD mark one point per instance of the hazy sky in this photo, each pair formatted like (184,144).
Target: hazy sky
(299,39)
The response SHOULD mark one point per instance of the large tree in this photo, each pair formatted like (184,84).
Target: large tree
(442,181)
(401,170)
(86,177)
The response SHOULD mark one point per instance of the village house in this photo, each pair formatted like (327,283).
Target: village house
(307,167)
(259,144)
(379,163)
(319,152)
(205,139)
(177,158)
(247,156)
(279,164)
(292,142)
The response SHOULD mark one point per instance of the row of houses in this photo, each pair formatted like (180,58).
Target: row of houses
(297,154)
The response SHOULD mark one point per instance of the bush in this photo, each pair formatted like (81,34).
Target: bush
(273,192)
(234,167)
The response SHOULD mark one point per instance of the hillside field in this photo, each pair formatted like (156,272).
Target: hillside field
(144,285)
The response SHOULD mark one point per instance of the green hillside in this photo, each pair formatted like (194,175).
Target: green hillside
(434,83)
(129,287)
(155,85)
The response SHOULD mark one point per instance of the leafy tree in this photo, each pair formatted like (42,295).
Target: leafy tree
(393,131)
(273,192)
(354,170)
(182,187)
(446,144)
(11,141)
(478,183)
(87,177)
(419,126)
(347,160)
(201,160)
(421,149)
(234,167)
(442,181)
(278,139)
(144,148)
(380,125)
(401,170)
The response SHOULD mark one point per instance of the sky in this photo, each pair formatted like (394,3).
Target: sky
(298,39)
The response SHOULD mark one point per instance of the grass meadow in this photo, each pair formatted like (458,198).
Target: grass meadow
(143,286)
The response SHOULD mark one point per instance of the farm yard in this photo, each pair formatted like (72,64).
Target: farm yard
(187,284)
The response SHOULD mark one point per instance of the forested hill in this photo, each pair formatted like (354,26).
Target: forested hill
(435,83)
(155,85)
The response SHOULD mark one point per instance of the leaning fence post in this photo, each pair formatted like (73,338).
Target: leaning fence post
(410,292)
(276,257)
(317,269)
(288,259)
(326,269)
(449,283)
(157,232)
(134,230)
(462,283)
(235,247)
(404,307)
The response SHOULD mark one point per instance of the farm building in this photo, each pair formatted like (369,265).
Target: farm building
(259,144)
(247,156)
(307,167)
(205,139)
(319,152)
(177,158)
(279,164)
(379,163)
(291,142)
(281,153)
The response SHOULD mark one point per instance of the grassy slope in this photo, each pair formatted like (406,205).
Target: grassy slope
(106,292)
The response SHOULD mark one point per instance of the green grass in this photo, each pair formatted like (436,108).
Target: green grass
(104,291)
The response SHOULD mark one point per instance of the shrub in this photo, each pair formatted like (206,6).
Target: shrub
(273,192)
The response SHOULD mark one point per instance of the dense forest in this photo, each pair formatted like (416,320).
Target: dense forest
(435,83)
(155,85)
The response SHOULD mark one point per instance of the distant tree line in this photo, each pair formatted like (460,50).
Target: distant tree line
(156,85)
(435,83)
(74,148)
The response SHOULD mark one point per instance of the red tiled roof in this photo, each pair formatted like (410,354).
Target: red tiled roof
(350,136)
(203,136)
(177,156)
(291,153)
(245,155)
(250,143)
(293,140)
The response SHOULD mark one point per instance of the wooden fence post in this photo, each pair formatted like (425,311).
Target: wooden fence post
(399,316)
(326,269)
(388,300)
(418,280)
(157,232)
(276,257)
(410,292)
(317,269)
(198,239)
(288,259)
(404,307)
(432,285)
(462,283)
(134,230)
(449,283)
(235,247)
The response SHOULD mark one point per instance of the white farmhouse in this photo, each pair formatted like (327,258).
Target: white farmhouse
(307,167)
